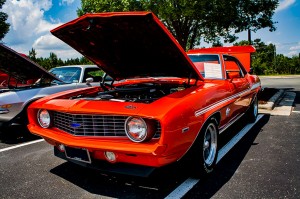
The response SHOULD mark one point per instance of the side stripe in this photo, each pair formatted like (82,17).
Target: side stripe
(216,104)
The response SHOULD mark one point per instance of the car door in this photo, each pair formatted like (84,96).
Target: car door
(239,85)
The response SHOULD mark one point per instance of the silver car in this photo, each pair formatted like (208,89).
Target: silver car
(23,81)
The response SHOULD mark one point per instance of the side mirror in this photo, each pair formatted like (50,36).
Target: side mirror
(232,75)
(89,80)
(251,71)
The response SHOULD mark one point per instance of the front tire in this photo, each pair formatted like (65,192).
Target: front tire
(205,149)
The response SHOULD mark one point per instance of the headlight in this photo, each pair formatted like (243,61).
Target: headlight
(136,129)
(44,118)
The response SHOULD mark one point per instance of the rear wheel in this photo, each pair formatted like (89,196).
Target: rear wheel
(253,111)
(205,149)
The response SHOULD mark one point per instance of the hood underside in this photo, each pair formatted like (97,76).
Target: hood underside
(21,67)
(128,45)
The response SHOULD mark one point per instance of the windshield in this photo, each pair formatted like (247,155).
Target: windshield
(67,74)
(208,65)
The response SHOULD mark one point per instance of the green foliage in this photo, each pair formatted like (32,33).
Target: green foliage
(93,6)
(4,27)
(193,21)
(53,61)
(98,73)
(265,61)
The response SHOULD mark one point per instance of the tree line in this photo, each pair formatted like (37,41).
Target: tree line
(264,61)
(54,61)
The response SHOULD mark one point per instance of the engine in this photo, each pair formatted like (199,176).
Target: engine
(143,93)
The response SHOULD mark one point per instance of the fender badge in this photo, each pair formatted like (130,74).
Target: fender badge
(130,107)
(227,111)
(75,125)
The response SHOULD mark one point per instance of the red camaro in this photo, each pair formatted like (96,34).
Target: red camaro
(164,105)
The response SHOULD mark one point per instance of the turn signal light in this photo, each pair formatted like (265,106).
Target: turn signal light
(110,156)
(61,147)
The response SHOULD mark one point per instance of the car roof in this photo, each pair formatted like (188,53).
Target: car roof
(81,66)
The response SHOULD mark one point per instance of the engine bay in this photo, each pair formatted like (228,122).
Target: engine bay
(143,93)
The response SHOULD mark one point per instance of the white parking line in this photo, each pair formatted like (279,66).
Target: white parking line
(187,185)
(224,150)
(180,191)
(20,145)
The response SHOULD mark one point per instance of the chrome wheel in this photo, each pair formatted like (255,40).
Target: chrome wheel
(255,107)
(210,144)
(202,156)
(253,111)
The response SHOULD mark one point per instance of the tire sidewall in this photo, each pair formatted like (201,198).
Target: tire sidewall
(209,168)
(253,112)
(196,156)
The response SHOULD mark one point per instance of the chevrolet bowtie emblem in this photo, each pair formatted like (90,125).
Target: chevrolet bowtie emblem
(75,125)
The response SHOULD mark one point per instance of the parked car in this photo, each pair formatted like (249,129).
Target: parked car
(165,106)
(77,73)
(24,81)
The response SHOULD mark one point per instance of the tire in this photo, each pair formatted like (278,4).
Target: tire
(253,110)
(205,149)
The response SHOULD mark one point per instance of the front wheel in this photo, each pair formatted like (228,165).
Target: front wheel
(205,150)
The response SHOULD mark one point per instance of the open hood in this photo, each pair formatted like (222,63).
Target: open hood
(20,67)
(128,45)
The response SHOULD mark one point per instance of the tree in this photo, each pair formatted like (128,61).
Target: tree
(264,59)
(53,61)
(32,54)
(191,21)
(4,27)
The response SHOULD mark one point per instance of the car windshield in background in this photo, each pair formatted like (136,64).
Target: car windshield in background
(208,65)
(67,74)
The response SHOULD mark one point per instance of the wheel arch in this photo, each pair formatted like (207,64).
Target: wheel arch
(24,108)
(217,116)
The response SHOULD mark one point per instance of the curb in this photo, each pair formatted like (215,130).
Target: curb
(272,101)
(284,107)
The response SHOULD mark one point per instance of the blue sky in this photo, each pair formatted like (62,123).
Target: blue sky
(32,20)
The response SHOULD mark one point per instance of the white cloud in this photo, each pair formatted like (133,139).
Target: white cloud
(26,19)
(66,2)
(287,50)
(284,4)
(29,29)
(293,48)
(49,43)
(292,53)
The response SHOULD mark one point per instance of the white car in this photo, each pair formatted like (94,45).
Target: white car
(26,82)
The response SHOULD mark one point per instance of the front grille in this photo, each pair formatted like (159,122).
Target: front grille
(93,125)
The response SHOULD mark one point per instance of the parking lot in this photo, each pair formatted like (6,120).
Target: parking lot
(263,164)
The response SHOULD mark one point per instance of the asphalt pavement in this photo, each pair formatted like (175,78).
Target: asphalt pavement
(263,164)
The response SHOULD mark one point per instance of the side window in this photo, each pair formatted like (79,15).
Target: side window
(95,73)
(233,67)
(208,65)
